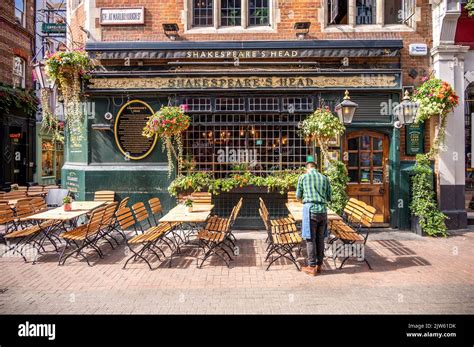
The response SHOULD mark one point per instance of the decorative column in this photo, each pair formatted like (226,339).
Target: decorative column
(448,63)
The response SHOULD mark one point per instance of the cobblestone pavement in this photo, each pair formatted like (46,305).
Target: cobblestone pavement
(410,275)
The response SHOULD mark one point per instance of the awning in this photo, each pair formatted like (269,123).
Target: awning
(212,50)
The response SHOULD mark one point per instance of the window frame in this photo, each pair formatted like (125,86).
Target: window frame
(22,20)
(217,26)
(379,25)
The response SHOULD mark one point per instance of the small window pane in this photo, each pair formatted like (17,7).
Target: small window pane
(353,176)
(353,144)
(365,142)
(377,159)
(231,12)
(378,176)
(202,13)
(353,159)
(258,12)
(337,12)
(365,12)
(365,159)
(365,176)
(393,12)
(377,144)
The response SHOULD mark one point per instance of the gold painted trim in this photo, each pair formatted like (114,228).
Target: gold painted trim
(119,113)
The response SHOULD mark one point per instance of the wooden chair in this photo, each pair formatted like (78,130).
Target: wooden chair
(123,203)
(292,196)
(104,195)
(36,191)
(203,198)
(215,237)
(155,207)
(144,242)
(7,218)
(83,237)
(357,215)
(14,195)
(283,238)
(107,224)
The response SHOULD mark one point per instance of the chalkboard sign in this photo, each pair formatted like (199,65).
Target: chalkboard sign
(129,124)
(414,139)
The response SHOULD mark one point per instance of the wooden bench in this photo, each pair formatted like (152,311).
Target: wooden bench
(357,215)
(104,195)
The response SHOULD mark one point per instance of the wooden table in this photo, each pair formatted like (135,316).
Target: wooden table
(58,214)
(180,214)
(296,212)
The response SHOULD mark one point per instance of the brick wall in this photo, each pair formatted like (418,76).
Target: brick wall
(16,40)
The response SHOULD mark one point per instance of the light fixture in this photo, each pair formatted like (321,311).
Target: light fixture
(43,79)
(346,109)
(171,31)
(302,29)
(405,111)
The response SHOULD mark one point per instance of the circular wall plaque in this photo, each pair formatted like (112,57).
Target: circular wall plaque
(129,124)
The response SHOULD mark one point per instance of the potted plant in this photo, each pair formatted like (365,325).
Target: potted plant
(169,123)
(189,204)
(67,203)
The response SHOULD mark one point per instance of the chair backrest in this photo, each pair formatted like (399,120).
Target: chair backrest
(265,220)
(141,215)
(14,194)
(155,205)
(201,198)
(51,186)
(24,208)
(104,195)
(125,218)
(39,204)
(6,215)
(4,202)
(109,215)
(95,220)
(16,187)
(35,189)
(55,197)
(358,212)
(123,202)
(292,196)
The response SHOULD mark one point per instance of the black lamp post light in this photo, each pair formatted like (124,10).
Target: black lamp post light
(42,77)
(405,111)
(346,109)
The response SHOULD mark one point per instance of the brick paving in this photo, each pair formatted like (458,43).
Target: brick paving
(410,275)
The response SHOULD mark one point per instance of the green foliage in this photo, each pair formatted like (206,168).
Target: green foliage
(470,7)
(61,62)
(423,204)
(17,98)
(280,181)
(322,124)
(67,200)
(188,203)
(338,177)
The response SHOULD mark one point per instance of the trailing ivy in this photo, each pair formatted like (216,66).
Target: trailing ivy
(470,8)
(19,98)
(338,177)
(423,204)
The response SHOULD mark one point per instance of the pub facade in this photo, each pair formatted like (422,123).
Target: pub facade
(248,72)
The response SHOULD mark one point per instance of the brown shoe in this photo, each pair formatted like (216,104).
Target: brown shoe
(319,269)
(310,270)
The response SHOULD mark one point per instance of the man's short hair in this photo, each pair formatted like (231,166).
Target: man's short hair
(311,165)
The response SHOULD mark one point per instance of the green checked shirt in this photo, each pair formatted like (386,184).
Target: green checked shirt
(314,187)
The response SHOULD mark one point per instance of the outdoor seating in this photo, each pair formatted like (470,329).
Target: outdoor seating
(282,235)
(36,191)
(104,195)
(201,198)
(145,241)
(213,237)
(14,194)
(107,225)
(83,237)
(292,196)
(7,218)
(357,215)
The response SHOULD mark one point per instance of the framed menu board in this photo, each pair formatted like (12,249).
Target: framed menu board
(129,124)
(414,139)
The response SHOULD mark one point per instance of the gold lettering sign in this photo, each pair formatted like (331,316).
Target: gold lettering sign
(251,82)
(129,124)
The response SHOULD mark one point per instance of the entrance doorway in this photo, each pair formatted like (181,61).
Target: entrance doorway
(366,158)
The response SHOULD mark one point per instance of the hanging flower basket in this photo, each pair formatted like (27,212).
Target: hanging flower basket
(169,123)
(67,68)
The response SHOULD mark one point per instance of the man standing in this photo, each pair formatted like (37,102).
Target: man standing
(315,191)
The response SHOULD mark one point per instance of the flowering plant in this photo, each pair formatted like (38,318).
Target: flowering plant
(322,125)
(169,122)
(67,68)
(435,97)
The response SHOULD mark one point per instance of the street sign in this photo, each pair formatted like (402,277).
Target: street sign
(53,28)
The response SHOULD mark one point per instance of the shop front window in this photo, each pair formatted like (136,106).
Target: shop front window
(47,158)
(254,134)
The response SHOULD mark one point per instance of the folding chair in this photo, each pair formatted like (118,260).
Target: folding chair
(107,224)
(282,238)
(7,218)
(84,236)
(104,195)
(145,241)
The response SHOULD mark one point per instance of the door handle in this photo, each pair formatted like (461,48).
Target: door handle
(381,190)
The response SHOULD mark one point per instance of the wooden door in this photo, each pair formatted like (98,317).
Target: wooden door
(366,158)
